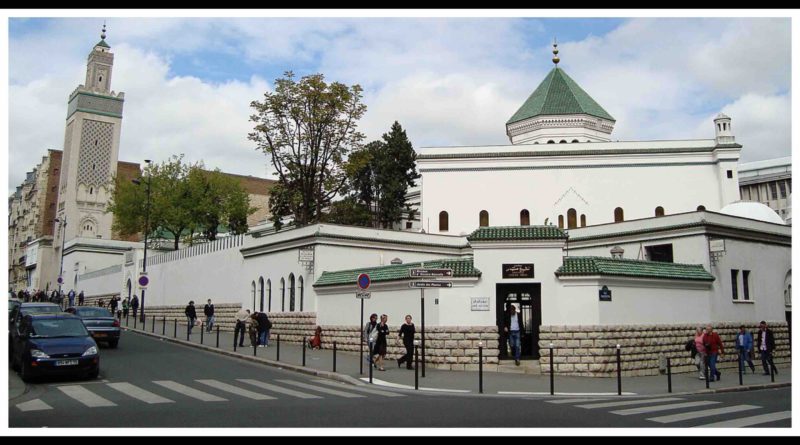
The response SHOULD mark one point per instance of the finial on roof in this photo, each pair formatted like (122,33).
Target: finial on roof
(103,34)
(555,52)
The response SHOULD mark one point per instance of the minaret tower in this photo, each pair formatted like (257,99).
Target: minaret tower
(91,151)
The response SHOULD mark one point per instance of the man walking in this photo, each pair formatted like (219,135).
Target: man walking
(241,325)
(71,297)
(264,325)
(714,349)
(125,305)
(135,305)
(191,316)
(112,306)
(208,310)
(744,344)
(81,299)
(513,327)
(766,345)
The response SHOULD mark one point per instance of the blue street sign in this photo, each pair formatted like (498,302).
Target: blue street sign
(363,281)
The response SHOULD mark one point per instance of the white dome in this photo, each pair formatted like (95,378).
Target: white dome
(752,210)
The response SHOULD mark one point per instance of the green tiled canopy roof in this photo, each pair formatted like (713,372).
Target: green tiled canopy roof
(559,94)
(575,266)
(515,233)
(461,268)
(103,43)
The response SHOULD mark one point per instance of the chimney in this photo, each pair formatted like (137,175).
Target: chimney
(617,252)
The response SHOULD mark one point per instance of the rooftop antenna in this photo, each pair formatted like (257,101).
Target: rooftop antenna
(103,34)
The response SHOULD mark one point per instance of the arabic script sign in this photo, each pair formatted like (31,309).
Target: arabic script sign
(518,270)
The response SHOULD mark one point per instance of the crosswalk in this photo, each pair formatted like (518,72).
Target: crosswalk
(112,394)
(695,414)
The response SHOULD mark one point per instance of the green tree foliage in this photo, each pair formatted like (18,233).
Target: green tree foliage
(307,128)
(218,200)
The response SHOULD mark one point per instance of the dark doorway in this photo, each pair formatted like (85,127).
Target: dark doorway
(789,326)
(527,297)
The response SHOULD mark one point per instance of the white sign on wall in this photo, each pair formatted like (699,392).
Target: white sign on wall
(479,303)
(306,255)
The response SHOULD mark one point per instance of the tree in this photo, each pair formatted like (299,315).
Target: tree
(307,128)
(217,200)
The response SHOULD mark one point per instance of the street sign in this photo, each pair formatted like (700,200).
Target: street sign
(363,295)
(60,280)
(143,280)
(363,281)
(424,284)
(426,273)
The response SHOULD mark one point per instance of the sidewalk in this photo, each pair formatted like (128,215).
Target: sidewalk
(320,362)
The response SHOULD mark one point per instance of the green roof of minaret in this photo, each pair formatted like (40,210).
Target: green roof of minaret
(103,43)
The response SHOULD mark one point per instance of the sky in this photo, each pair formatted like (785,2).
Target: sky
(189,82)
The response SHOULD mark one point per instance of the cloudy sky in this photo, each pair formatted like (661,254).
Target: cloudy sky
(188,82)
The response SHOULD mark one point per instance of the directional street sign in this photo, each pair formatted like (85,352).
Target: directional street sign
(430,273)
(424,284)
(363,295)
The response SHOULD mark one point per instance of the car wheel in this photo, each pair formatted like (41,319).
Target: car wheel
(25,372)
(94,374)
(113,343)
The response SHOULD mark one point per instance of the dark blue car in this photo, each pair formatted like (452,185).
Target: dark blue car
(54,344)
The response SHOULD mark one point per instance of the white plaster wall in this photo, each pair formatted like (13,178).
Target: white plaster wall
(576,303)
(106,284)
(455,305)
(656,303)
(274,267)
(341,307)
(685,249)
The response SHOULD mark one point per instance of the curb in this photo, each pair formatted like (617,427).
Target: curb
(282,365)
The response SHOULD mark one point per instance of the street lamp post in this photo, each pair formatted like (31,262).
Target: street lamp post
(146,230)
(63,223)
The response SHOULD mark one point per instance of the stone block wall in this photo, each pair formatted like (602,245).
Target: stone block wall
(225,314)
(591,350)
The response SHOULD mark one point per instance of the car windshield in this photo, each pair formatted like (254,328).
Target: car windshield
(58,327)
(92,312)
(48,309)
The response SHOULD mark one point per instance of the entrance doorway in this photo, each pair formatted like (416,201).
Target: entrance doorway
(527,297)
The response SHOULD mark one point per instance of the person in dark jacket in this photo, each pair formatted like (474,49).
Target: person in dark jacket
(81,298)
(406,333)
(191,316)
(514,328)
(112,306)
(766,345)
(264,325)
(744,345)
(208,310)
(135,305)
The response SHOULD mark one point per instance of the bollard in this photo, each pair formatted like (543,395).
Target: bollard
(187,329)
(278,349)
(234,342)
(705,367)
(153,330)
(619,371)
(669,376)
(144,322)
(127,320)
(255,349)
(164,326)
(202,329)
(304,350)
(134,322)
(175,334)
(416,364)
(334,356)
(234,338)
(371,366)
(771,368)
(552,382)
(741,365)
(480,367)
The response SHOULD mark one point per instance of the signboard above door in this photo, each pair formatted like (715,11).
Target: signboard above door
(518,270)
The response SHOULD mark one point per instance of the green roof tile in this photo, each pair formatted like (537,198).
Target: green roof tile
(576,266)
(461,268)
(103,43)
(559,94)
(515,233)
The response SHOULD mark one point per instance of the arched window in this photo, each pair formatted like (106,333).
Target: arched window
(269,295)
(260,295)
(562,141)
(551,141)
(619,215)
(583,220)
(291,292)
(484,218)
(253,291)
(283,295)
(701,208)
(560,221)
(300,280)
(524,218)
(574,141)
(659,211)
(444,221)
(572,219)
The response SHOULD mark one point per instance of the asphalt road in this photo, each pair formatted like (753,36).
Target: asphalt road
(148,383)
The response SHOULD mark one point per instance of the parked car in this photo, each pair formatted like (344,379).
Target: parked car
(13,303)
(22,310)
(54,344)
(100,323)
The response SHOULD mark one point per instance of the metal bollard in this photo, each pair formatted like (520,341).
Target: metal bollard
(144,322)
(202,329)
(552,382)
(134,322)
(304,351)
(127,320)
(334,356)
(255,348)
(480,367)
(669,376)
(278,349)
(164,326)
(175,334)
(370,366)
(416,364)
(705,368)
(619,370)
(741,365)
(771,368)
(153,330)
(187,330)
(234,339)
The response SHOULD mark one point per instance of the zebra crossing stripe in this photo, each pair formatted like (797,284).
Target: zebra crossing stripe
(749,421)
(139,393)
(651,409)
(189,392)
(235,390)
(33,405)
(323,390)
(279,389)
(574,401)
(705,413)
(628,402)
(85,396)
(359,388)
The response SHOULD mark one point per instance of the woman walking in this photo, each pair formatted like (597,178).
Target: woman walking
(406,333)
(380,343)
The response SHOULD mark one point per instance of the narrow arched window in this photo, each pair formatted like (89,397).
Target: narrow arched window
(572,219)
(619,215)
(291,292)
(269,295)
(524,217)
(551,141)
(701,208)
(583,220)
(254,294)
(484,218)
(300,280)
(283,295)
(574,141)
(260,294)
(560,221)
(444,221)
(659,211)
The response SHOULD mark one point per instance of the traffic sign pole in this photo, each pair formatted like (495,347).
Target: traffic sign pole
(422,333)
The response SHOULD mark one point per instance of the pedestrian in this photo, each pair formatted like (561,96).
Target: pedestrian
(208,310)
(714,350)
(100,302)
(370,335)
(81,299)
(264,326)
(701,357)
(241,325)
(135,305)
(380,343)
(316,341)
(766,347)
(71,297)
(191,316)
(252,329)
(125,305)
(112,306)
(514,328)
(406,334)
(744,346)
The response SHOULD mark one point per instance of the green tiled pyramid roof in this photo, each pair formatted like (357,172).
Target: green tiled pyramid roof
(574,266)
(558,94)
(461,268)
(103,43)
(515,233)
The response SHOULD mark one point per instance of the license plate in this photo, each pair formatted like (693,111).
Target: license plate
(66,362)
(99,334)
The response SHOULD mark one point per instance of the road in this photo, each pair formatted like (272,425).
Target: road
(148,383)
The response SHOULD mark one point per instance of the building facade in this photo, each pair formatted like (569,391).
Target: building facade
(768,182)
